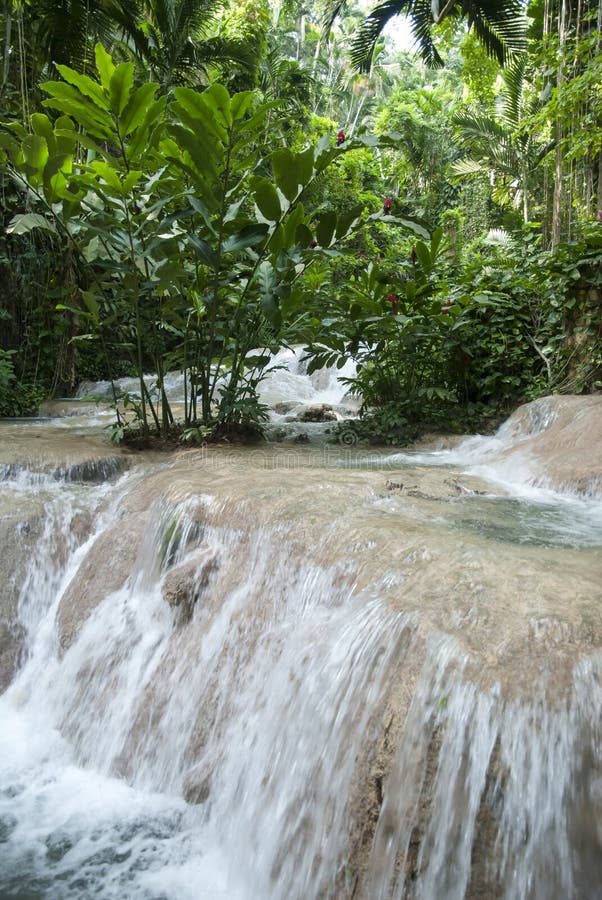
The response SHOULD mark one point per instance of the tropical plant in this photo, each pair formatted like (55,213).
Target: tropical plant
(180,41)
(190,243)
(503,145)
(403,337)
(500,26)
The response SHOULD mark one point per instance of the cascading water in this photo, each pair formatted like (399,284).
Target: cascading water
(278,674)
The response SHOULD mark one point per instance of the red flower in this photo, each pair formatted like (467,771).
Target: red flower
(394,301)
(340,138)
(388,203)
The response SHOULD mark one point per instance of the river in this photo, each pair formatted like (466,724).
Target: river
(303,671)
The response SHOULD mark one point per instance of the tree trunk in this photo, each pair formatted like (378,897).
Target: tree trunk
(8,7)
(559,198)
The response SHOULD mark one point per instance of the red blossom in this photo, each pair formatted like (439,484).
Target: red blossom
(394,301)
(340,138)
(388,203)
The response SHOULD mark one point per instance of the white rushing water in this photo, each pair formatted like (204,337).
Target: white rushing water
(294,734)
(281,701)
(286,381)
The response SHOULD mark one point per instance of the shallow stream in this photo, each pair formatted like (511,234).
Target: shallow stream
(289,672)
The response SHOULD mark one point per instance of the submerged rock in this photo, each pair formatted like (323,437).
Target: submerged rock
(184,584)
(317,412)
(395,666)
(18,538)
(105,568)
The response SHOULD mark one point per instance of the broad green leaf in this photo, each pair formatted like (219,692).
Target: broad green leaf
(258,117)
(201,150)
(305,165)
(91,304)
(137,108)
(436,238)
(109,175)
(67,99)
(198,113)
(9,144)
(267,200)
(219,98)
(65,134)
(267,280)
(325,228)
(131,180)
(278,239)
(240,104)
(86,86)
(203,251)
(57,172)
(303,235)
(42,126)
(149,133)
(347,220)
(120,87)
(424,256)
(322,146)
(105,65)
(35,151)
(293,220)
(368,140)
(26,222)
(18,129)
(412,223)
(284,166)
(199,207)
(248,236)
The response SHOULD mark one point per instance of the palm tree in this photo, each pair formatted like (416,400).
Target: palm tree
(501,145)
(499,24)
(176,40)
(67,30)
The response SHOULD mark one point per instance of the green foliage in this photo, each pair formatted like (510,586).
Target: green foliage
(16,398)
(500,26)
(403,339)
(190,243)
(521,311)
(436,349)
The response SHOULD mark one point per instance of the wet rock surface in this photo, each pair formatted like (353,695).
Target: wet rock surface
(65,454)
(468,706)
(19,531)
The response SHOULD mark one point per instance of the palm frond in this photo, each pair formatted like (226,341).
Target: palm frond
(463,168)
(514,83)
(223,50)
(479,128)
(363,44)
(500,25)
(332,10)
(421,24)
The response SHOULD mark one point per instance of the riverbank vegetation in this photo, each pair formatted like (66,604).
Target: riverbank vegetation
(189,186)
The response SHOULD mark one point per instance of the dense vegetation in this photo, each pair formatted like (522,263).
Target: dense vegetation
(191,184)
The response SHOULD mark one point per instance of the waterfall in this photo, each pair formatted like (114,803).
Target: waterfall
(326,679)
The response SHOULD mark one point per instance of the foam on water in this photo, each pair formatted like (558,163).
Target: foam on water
(280,698)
